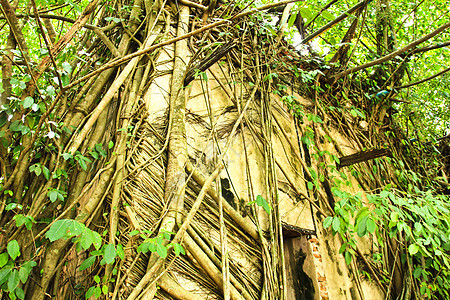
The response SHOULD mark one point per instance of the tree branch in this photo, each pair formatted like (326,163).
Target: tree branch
(423,80)
(343,16)
(393,54)
(431,47)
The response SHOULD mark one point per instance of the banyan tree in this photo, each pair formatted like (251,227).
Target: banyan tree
(205,150)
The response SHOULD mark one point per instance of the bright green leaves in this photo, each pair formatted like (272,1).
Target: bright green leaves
(4,274)
(10,274)
(159,244)
(336,224)
(327,15)
(327,222)
(87,263)
(413,249)
(98,151)
(24,220)
(39,169)
(3,259)
(306,13)
(67,156)
(82,161)
(308,137)
(96,291)
(314,118)
(55,194)
(59,229)
(18,126)
(88,238)
(160,248)
(85,238)
(270,76)
(67,228)
(115,20)
(154,245)
(422,220)
(25,270)
(13,280)
(109,254)
(355,112)
(28,102)
(177,249)
(260,201)
(364,222)
(371,225)
(13,249)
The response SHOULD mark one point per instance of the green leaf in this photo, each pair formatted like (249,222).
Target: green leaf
(94,154)
(13,249)
(327,222)
(67,156)
(3,119)
(65,79)
(97,291)
(336,224)
(348,257)
(110,144)
(120,252)
(306,13)
(327,15)
(105,289)
(20,293)
(371,225)
(260,201)
(177,248)
(384,194)
(16,126)
(76,228)
(90,292)
(46,172)
(134,232)
(417,272)
(53,195)
(4,274)
(28,102)
(66,67)
(3,259)
(292,19)
(362,226)
(23,274)
(83,164)
(413,249)
(58,230)
(86,238)
(20,219)
(87,263)
(13,280)
(28,265)
(110,253)
(161,250)
(97,279)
